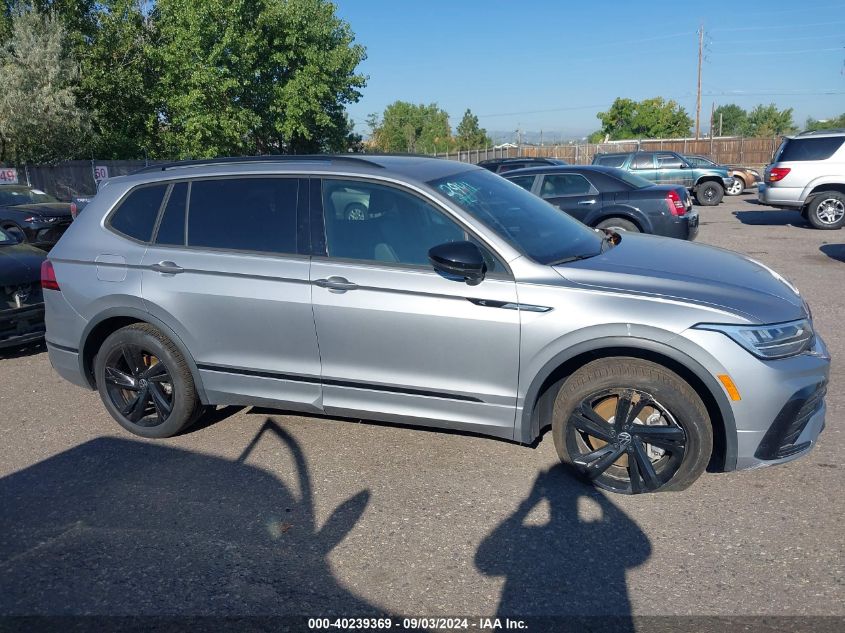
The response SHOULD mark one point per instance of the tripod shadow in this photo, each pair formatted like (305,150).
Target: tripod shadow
(571,562)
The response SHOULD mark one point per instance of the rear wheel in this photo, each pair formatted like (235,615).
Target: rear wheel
(632,426)
(709,193)
(827,210)
(145,383)
(618,224)
(737,187)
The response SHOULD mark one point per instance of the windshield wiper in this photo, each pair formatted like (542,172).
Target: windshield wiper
(571,258)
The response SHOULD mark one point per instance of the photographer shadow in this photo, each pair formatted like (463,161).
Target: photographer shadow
(571,563)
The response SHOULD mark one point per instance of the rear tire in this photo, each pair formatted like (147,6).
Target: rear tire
(709,193)
(618,224)
(145,383)
(827,211)
(663,442)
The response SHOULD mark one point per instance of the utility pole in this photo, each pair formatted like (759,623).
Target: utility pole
(720,124)
(698,97)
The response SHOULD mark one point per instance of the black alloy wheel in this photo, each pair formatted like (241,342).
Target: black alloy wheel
(139,385)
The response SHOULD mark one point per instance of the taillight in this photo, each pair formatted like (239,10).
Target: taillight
(777,173)
(48,276)
(675,204)
(74,210)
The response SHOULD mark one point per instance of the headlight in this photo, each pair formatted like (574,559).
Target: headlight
(777,340)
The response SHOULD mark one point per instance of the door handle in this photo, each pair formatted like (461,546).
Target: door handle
(168,268)
(336,284)
(587,202)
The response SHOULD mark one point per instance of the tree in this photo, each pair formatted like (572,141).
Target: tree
(769,121)
(40,120)
(825,124)
(253,76)
(469,135)
(650,118)
(734,120)
(406,127)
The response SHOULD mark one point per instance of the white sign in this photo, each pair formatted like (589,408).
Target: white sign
(101,172)
(8,176)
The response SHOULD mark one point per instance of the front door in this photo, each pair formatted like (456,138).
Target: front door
(399,341)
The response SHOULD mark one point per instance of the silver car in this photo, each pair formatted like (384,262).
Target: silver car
(459,301)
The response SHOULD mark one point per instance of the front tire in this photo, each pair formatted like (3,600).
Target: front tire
(827,211)
(631,426)
(709,193)
(737,187)
(145,383)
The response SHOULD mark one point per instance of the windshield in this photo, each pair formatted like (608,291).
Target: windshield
(12,196)
(637,182)
(526,222)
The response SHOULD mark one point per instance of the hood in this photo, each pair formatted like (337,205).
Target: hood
(49,209)
(20,264)
(692,273)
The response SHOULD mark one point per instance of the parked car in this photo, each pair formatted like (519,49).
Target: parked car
(744,177)
(465,303)
(808,174)
(32,216)
(614,199)
(501,165)
(21,306)
(708,184)
(78,203)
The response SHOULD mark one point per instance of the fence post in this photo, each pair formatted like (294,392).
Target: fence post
(741,143)
(685,146)
(26,174)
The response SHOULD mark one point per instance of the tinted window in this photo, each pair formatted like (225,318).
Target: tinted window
(526,182)
(136,215)
(511,166)
(637,182)
(248,214)
(668,161)
(11,196)
(171,229)
(809,148)
(566,185)
(397,227)
(642,160)
(610,161)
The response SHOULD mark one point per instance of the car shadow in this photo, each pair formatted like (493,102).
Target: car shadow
(118,526)
(571,562)
(834,251)
(772,217)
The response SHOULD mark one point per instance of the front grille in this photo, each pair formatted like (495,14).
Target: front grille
(779,440)
(21,324)
(20,296)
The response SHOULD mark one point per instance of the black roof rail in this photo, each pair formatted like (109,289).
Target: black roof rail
(273,158)
(832,130)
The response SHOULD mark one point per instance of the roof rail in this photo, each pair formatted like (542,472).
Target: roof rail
(274,158)
(832,130)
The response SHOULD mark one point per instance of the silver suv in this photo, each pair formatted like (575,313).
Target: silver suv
(808,174)
(451,298)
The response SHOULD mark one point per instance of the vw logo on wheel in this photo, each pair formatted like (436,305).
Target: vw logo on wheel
(624,438)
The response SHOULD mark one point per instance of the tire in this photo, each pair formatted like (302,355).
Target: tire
(617,457)
(618,224)
(355,211)
(827,211)
(15,231)
(709,193)
(737,188)
(138,364)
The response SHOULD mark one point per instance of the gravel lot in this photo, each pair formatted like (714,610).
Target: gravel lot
(331,517)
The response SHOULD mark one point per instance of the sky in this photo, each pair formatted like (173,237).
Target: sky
(551,65)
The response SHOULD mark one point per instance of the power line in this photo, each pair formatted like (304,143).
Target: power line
(787,52)
(779,39)
(773,28)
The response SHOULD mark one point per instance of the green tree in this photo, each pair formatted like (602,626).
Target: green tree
(469,134)
(253,76)
(40,120)
(769,121)
(650,118)
(407,127)
(734,120)
(825,124)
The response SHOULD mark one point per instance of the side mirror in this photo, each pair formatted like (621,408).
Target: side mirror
(459,259)
(683,165)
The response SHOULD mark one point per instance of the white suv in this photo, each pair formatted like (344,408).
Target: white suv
(808,174)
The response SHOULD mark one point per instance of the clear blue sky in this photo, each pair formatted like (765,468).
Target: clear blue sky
(551,65)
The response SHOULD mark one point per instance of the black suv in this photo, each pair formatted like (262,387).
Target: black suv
(501,165)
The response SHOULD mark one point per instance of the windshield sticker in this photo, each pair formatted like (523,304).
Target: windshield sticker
(462,191)
(39,192)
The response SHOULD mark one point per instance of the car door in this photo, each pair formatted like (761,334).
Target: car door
(642,164)
(226,270)
(399,341)
(672,170)
(570,192)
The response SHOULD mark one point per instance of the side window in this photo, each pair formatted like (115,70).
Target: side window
(555,185)
(247,214)
(611,161)
(526,182)
(668,161)
(643,160)
(136,215)
(171,229)
(396,227)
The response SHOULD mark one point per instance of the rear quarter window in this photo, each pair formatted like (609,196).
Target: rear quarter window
(136,215)
(798,149)
(610,161)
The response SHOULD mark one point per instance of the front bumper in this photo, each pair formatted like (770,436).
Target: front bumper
(728,182)
(45,234)
(21,325)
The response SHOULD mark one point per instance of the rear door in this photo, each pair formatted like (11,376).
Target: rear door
(642,164)
(227,272)
(571,192)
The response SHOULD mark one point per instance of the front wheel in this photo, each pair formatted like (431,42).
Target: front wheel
(145,383)
(709,193)
(827,210)
(632,426)
(737,187)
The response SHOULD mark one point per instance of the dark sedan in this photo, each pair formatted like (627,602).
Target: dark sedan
(610,198)
(33,216)
(21,303)
(502,165)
